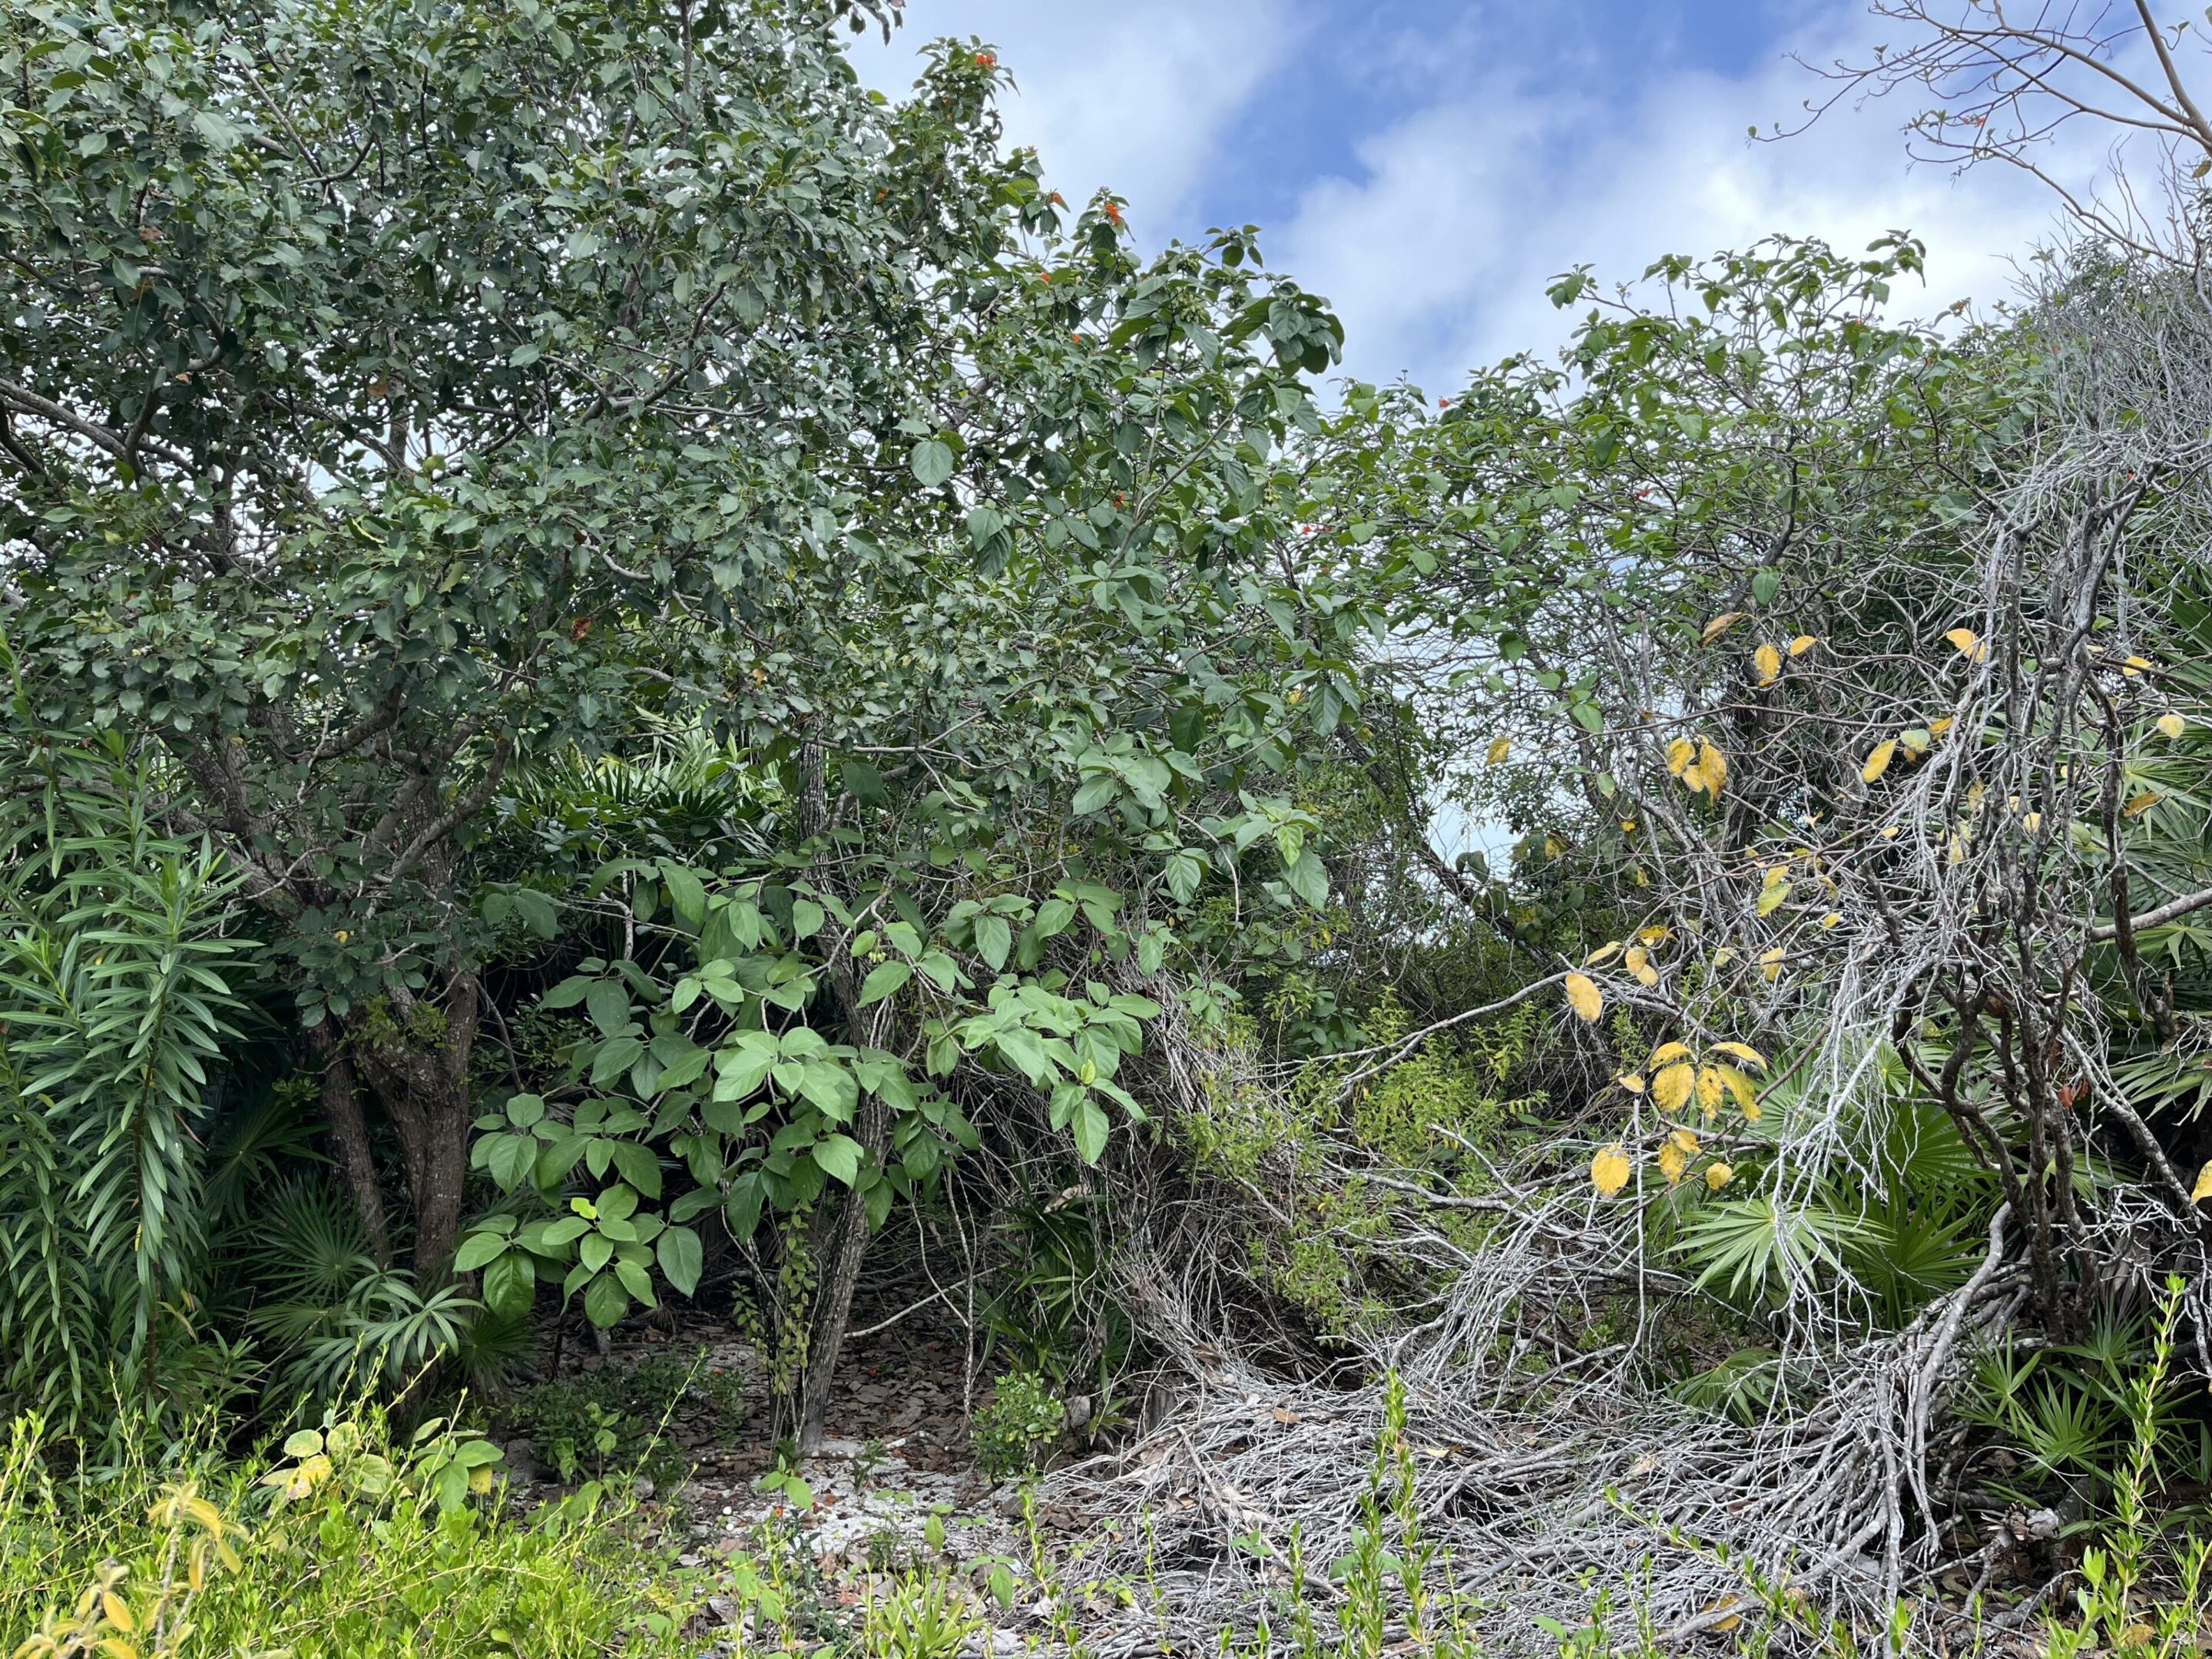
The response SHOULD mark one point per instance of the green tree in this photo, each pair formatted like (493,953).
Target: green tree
(389,396)
(404,407)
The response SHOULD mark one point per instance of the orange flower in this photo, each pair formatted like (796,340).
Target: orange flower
(985,59)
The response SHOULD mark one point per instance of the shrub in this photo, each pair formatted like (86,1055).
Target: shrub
(351,1543)
(1018,1426)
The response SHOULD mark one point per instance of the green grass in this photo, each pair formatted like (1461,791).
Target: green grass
(354,1545)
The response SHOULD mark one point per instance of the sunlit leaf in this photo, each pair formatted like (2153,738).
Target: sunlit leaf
(1878,763)
(1609,1169)
(1584,996)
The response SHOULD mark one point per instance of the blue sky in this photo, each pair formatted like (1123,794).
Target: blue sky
(1429,164)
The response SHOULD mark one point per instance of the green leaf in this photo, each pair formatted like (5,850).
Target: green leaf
(864,783)
(681,1259)
(742,1209)
(1088,1124)
(605,1302)
(686,892)
(1308,879)
(614,1059)
(510,1284)
(807,918)
(568,993)
(932,461)
(608,1004)
(994,940)
(884,979)
(1184,871)
(636,1280)
(839,1157)
(476,1249)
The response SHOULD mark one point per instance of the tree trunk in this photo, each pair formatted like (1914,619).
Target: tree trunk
(842,1243)
(421,1073)
(349,1139)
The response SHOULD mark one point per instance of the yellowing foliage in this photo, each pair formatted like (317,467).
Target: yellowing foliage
(1712,768)
(1584,996)
(1609,1169)
(1878,763)
(1720,625)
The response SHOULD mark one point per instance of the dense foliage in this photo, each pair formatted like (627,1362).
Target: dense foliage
(639,678)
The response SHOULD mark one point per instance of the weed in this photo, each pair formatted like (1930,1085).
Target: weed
(1018,1426)
(353,1542)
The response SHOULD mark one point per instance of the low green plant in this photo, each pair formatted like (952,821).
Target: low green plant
(353,1542)
(614,1418)
(2118,1614)
(923,1615)
(1016,1428)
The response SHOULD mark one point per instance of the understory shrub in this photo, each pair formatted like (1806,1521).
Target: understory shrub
(1017,1427)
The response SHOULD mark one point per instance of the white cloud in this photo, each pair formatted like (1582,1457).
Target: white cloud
(1133,97)
(1438,256)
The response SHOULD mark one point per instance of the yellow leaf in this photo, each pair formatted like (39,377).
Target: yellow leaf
(1969,643)
(1605,953)
(1631,1081)
(1679,753)
(1770,963)
(1833,919)
(1720,625)
(1713,767)
(1889,832)
(1636,956)
(1628,826)
(1684,1139)
(2202,1189)
(1672,1163)
(1740,1086)
(1671,1087)
(2172,726)
(2133,666)
(1709,1089)
(118,1612)
(1647,976)
(1742,1051)
(1878,763)
(1654,934)
(1718,1176)
(1666,1051)
(1609,1169)
(2030,821)
(1768,661)
(1770,899)
(1499,749)
(2141,803)
(1938,727)
(1583,996)
(1802,644)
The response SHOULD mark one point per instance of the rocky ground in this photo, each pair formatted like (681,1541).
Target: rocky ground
(894,1494)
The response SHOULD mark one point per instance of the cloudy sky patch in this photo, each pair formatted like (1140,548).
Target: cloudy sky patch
(1431,164)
